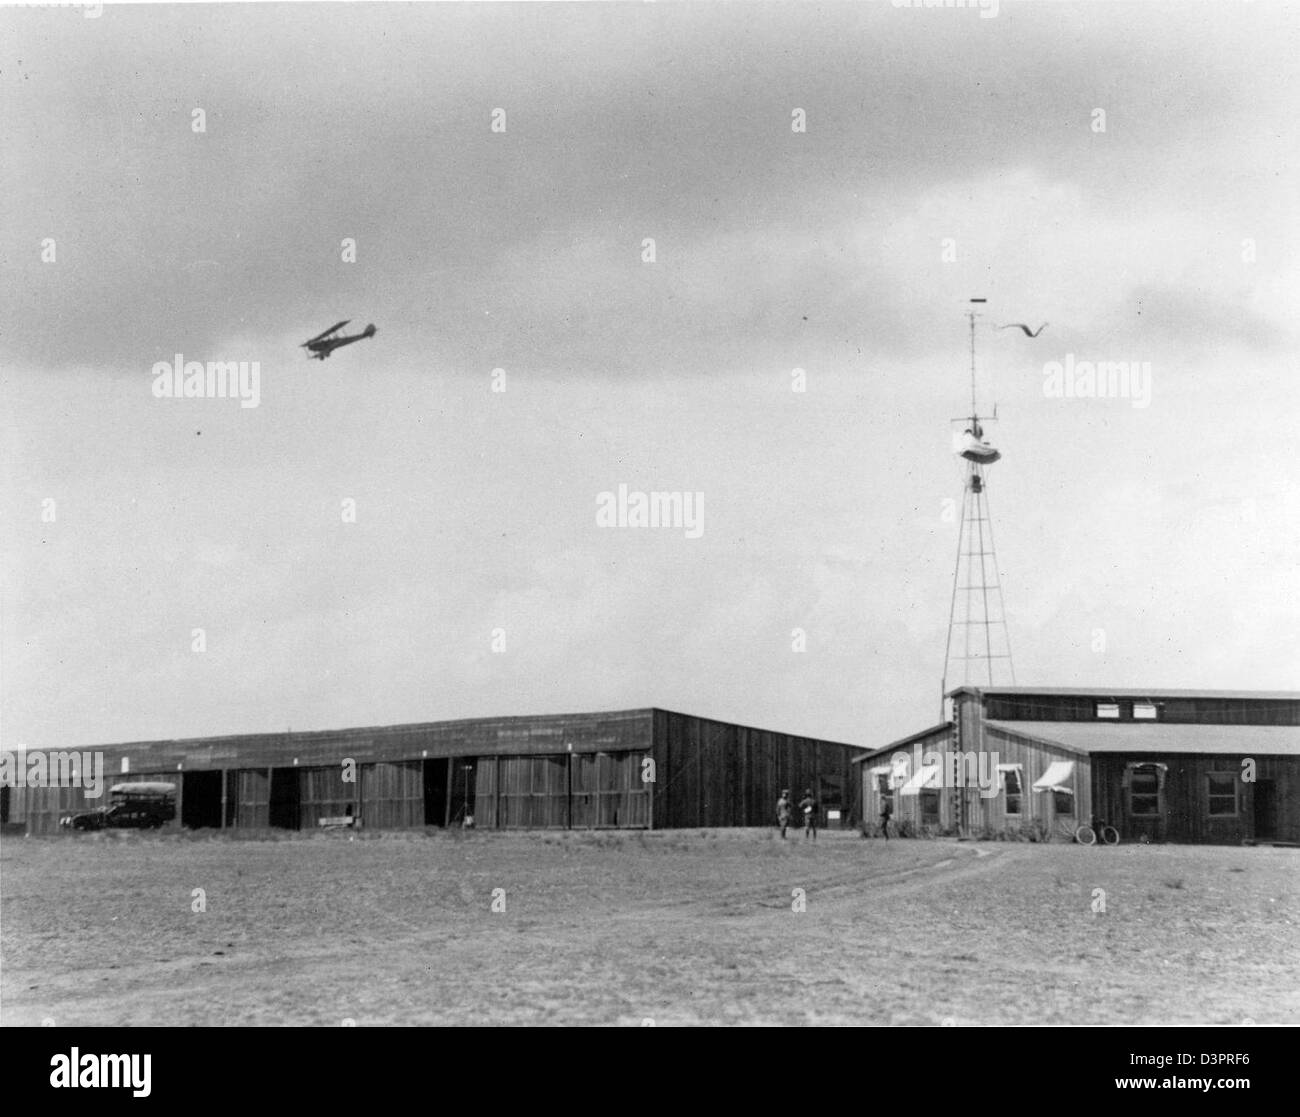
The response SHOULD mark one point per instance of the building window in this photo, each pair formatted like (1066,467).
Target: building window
(1108,709)
(1011,789)
(929,806)
(1221,794)
(1144,792)
(1063,801)
(1145,711)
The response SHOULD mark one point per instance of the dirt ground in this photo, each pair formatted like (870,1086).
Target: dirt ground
(626,928)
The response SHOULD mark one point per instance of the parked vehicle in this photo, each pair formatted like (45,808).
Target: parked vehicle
(133,806)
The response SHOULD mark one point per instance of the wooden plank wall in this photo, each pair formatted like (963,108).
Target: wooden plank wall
(713,773)
(584,802)
(709,774)
(906,807)
(248,798)
(980,811)
(395,799)
(623,797)
(485,793)
(614,732)
(392,795)
(1035,806)
(534,792)
(1186,710)
(323,793)
(1185,799)
(42,807)
(578,790)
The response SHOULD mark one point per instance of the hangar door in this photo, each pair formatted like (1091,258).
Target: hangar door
(392,794)
(533,792)
(607,790)
(561,790)
(248,798)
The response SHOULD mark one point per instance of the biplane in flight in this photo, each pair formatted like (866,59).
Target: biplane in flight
(322,345)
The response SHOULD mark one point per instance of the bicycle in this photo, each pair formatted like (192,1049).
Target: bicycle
(1088,834)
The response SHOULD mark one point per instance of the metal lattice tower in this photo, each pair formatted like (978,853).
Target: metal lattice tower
(979,645)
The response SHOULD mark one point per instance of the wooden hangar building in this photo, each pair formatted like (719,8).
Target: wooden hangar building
(1158,765)
(632,769)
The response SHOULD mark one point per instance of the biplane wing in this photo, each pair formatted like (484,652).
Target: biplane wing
(332,329)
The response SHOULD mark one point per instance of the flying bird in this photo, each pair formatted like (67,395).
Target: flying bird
(1022,326)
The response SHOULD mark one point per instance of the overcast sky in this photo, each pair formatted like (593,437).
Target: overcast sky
(1170,237)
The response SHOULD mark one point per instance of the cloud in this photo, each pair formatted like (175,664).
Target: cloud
(775,250)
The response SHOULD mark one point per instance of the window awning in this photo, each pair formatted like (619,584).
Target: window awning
(1011,767)
(924,777)
(881,770)
(1057,777)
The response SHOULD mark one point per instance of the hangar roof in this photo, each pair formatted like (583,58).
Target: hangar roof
(1166,737)
(522,734)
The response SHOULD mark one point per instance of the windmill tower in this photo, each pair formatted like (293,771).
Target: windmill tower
(979,645)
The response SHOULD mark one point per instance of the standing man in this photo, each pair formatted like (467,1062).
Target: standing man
(809,807)
(886,811)
(783,811)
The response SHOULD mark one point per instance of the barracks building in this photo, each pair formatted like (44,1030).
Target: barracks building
(1158,765)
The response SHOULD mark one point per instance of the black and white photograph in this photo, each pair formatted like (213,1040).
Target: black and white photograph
(651,515)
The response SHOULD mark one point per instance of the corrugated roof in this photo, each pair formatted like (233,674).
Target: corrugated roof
(1130,692)
(1161,737)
